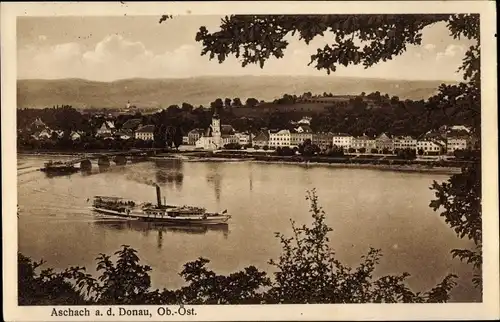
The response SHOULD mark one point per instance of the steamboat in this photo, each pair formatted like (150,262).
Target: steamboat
(159,213)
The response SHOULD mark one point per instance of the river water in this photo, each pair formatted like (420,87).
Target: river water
(365,207)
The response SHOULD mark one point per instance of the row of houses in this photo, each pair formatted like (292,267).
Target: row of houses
(427,144)
(130,129)
(446,140)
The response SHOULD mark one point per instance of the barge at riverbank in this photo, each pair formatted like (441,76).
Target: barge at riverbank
(58,167)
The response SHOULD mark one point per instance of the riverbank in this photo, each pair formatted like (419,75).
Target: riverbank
(360,162)
(382,167)
(439,167)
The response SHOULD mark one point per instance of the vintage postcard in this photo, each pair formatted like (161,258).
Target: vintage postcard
(211,161)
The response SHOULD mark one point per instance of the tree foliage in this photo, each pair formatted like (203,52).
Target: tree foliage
(307,271)
(460,200)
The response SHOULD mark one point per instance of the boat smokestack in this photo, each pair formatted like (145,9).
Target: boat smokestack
(158,195)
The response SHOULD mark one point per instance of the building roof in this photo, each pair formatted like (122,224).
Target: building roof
(459,128)
(122,134)
(304,128)
(146,129)
(262,136)
(341,134)
(131,124)
(226,129)
(280,131)
(363,137)
(438,142)
(196,131)
(383,136)
(457,134)
(305,120)
(458,137)
(37,122)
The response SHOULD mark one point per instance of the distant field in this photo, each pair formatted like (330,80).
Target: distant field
(156,93)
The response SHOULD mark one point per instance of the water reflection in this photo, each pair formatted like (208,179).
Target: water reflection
(250,179)
(103,167)
(86,172)
(57,174)
(215,178)
(147,227)
(169,172)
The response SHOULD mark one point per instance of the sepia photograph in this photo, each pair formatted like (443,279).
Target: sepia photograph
(176,159)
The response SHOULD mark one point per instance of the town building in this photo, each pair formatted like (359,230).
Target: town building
(454,143)
(306,120)
(384,142)
(297,138)
(363,142)
(343,140)
(194,135)
(185,140)
(107,128)
(243,138)
(279,138)
(430,147)
(261,139)
(304,128)
(130,126)
(38,125)
(75,136)
(217,135)
(322,140)
(145,133)
(405,142)
(455,128)
(42,135)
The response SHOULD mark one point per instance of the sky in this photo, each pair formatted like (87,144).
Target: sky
(111,48)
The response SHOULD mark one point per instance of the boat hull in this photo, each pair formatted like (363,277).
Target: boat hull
(210,219)
(59,170)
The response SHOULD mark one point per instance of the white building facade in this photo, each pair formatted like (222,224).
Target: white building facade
(456,143)
(212,139)
(343,140)
(243,138)
(430,147)
(405,142)
(363,142)
(145,133)
(279,138)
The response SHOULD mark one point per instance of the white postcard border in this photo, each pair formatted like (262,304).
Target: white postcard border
(488,309)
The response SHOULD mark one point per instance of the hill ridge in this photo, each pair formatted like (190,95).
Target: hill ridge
(162,92)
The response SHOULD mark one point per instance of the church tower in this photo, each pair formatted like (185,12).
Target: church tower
(216,133)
